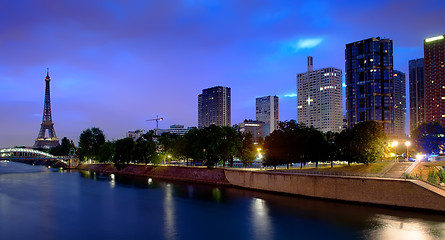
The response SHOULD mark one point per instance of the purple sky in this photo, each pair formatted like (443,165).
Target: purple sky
(115,63)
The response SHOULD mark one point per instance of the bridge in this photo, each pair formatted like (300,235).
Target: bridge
(32,156)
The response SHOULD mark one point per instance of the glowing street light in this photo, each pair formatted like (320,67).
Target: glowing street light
(394,144)
(259,153)
(407,144)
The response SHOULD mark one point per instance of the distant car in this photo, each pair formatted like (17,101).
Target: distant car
(411,159)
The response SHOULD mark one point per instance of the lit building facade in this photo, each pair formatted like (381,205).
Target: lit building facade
(214,107)
(416,93)
(256,128)
(434,54)
(319,98)
(175,129)
(399,103)
(134,134)
(370,83)
(267,111)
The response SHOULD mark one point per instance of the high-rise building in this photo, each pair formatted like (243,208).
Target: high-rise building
(319,98)
(416,93)
(370,83)
(434,54)
(399,103)
(214,107)
(267,111)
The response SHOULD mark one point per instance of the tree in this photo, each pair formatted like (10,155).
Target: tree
(246,151)
(89,142)
(365,142)
(295,143)
(430,137)
(106,151)
(64,148)
(144,150)
(167,143)
(124,151)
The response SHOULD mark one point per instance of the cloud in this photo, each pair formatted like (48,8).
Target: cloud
(299,44)
(290,95)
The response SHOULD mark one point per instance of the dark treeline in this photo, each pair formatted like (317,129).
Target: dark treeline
(292,143)
(208,146)
(297,143)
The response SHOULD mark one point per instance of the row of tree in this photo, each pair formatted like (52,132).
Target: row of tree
(291,143)
(208,146)
(296,143)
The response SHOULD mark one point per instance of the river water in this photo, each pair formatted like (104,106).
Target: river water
(41,203)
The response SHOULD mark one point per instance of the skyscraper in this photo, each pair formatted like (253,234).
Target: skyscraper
(434,54)
(399,103)
(370,83)
(416,93)
(267,111)
(319,98)
(214,107)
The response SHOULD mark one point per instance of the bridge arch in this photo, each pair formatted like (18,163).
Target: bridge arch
(24,152)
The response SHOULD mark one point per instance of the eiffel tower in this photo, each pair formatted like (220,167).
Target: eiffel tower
(47,123)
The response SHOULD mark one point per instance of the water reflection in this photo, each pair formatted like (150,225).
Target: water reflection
(55,203)
(169,213)
(399,228)
(261,223)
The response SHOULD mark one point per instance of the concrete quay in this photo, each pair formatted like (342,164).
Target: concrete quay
(413,194)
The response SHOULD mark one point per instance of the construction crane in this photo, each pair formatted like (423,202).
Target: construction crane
(157,119)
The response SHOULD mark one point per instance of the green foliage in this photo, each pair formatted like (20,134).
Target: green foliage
(106,151)
(295,143)
(409,176)
(364,143)
(432,177)
(89,142)
(246,151)
(64,148)
(123,151)
(441,175)
(167,144)
(145,147)
(210,145)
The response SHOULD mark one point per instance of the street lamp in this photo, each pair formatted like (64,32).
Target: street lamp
(259,153)
(394,144)
(407,144)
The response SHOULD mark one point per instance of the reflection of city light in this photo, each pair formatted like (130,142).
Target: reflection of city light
(216,193)
(261,221)
(395,228)
(169,213)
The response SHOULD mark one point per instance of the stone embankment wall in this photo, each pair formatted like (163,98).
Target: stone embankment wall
(189,174)
(392,192)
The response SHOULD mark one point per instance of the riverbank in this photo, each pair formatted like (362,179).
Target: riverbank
(379,191)
(177,173)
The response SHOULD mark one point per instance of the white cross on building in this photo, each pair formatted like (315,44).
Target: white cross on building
(309,100)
